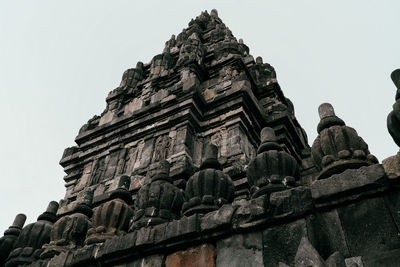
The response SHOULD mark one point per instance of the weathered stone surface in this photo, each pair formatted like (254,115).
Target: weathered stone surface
(59,260)
(291,202)
(368,227)
(388,259)
(327,234)
(250,210)
(184,227)
(307,255)
(115,244)
(84,255)
(392,200)
(335,260)
(348,180)
(281,242)
(202,255)
(219,218)
(149,261)
(240,250)
(354,262)
(391,165)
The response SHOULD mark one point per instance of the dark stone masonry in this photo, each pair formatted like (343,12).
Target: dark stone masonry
(199,160)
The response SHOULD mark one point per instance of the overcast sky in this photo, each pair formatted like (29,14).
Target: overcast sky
(59,60)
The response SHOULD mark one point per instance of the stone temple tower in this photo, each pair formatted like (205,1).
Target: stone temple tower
(204,88)
(199,160)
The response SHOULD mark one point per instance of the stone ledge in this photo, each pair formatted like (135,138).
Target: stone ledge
(240,217)
(349,181)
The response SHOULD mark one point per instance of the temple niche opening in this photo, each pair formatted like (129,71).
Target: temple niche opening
(198,160)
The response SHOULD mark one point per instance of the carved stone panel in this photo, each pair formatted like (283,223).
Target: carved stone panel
(161,148)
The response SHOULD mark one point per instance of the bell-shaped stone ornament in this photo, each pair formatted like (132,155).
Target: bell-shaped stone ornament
(209,188)
(29,244)
(272,169)
(69,232)
(159,201)
(112,218)
(393,119)
(337,146)
(7,242)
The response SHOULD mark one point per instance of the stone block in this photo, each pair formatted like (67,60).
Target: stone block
(116,243)
(387,259)
(354,262)
(335,260)
(327,233)
(193,257)
(391,166)
(368,227)
(392,200)
(149,261)
(348,180)
(84,254)
(292,202)
(182,228)
(219,218)
(147,152)
(59,260)
(281,242)
(307,255)
(144,237)
(137,181)
(240,250)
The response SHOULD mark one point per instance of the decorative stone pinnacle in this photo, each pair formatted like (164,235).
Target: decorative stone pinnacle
(52,207)
(159,170)
(214,13)
(139,65)
(259,60)
(122,191)
(84,206)
(396,80)
(50,213)
(328,117)
(326,110)
(19,221)
(268,140)
(211,158)
(268,135)
(240,41)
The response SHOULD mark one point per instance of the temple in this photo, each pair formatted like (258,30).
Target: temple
(198,160)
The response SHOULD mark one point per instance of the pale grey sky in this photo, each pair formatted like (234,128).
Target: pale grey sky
(59,59)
